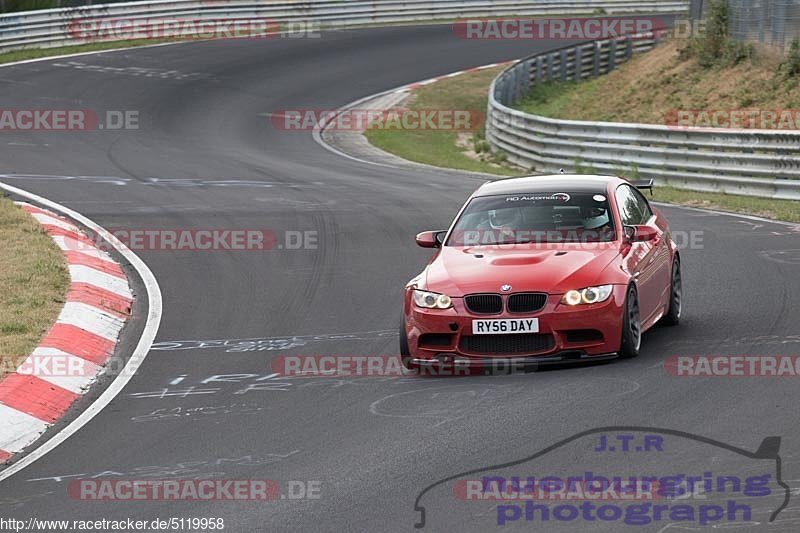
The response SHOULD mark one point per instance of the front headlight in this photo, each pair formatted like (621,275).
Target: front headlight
(432,300)
(589,295)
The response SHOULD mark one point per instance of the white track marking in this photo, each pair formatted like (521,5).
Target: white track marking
(18,429)
(109,282)
(68,244)
(53,221)
(85,371)
(320,126)
(80,54)
(316,134)
(92,319)
(139,354)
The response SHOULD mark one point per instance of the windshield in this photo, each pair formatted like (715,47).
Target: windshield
(534,218)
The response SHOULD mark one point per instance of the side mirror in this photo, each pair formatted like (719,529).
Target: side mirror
(641,233)
(430,239)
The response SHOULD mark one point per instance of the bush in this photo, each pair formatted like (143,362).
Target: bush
(711,44)
(791,66)
(481,146)
(715,46)
(499,157)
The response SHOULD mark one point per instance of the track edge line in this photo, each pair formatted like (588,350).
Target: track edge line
(154,310)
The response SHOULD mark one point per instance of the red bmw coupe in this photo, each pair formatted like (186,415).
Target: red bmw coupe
(543,269)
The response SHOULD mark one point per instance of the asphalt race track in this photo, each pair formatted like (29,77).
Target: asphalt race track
(206,156)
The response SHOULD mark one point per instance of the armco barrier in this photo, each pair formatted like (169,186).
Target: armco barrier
(51,27)
(761,163)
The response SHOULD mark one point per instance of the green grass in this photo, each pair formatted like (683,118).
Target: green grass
(33,284)
(651,87)
(787,210)
(439,148)
(557,99)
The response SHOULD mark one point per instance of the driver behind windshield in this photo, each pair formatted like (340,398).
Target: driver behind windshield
(542,217)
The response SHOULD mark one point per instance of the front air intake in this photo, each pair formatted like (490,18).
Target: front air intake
(484,304)
(526,302)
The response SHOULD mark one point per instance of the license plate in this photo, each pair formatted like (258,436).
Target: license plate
(505,325)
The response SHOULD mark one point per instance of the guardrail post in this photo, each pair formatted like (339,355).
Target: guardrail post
(488,123)
(549,75)
(596,60)
(518,81)
(612,56)
(539,69)
(508,95)
(526,76)
(628,48)
(578,65)
(563,65)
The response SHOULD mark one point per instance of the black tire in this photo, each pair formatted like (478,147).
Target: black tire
(631,326)
(673,316)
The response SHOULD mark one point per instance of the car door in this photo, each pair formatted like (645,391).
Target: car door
(639,259)
(659,259)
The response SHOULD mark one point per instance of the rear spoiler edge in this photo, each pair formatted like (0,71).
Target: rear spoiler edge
(644,185)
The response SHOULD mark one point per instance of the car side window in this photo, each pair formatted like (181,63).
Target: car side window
(628,205)
(644,206)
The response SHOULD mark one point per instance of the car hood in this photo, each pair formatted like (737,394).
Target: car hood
(457,271)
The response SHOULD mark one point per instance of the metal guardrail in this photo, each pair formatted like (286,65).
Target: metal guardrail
(749,162)
(55,27)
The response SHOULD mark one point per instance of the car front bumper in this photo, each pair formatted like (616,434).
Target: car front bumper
(566,334)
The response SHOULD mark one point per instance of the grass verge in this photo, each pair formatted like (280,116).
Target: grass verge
(35,53)
(652,87)
(451,149)
(33,284)
(786,210)
(468,91)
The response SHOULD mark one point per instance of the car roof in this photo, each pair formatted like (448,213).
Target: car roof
(552,183)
